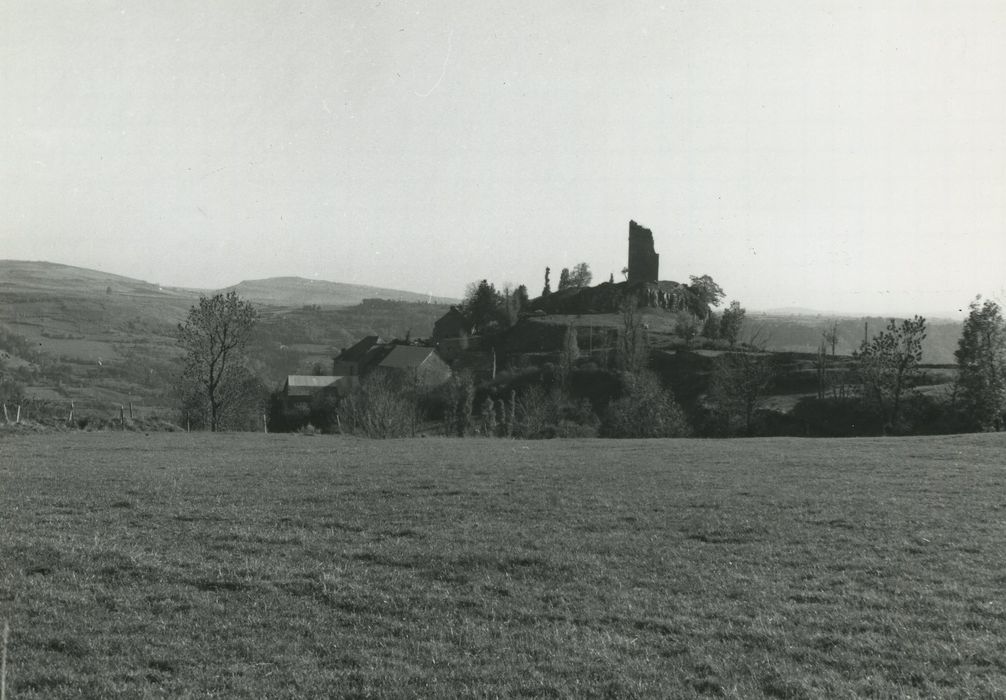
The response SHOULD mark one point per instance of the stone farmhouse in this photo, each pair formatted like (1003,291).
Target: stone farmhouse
(355,360)
(452,324)
(415,363)
(301,389)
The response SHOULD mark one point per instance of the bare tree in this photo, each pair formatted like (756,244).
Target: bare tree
(581,276)
(379,408)
(887,365)
(738,387)
(536,412)
(821,368)
(686,326)
(830,336)
(460,400)
(214,335)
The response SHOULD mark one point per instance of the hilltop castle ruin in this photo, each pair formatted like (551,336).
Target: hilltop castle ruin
(644,263)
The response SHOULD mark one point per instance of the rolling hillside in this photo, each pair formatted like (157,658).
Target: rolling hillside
(802,333)
(297,291)
(103,340)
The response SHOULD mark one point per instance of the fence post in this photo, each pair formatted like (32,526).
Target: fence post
(122,417)
(3,661)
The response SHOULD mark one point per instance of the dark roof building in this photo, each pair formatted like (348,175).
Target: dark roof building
(354,360)
(452,324)
(420,364)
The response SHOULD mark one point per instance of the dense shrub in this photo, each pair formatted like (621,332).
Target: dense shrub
(247,399)
(935,415)
(598,385)
(850,417)
(537,413)
(645,410)
(377,408)
(458,404)
(837,417)
(11,391)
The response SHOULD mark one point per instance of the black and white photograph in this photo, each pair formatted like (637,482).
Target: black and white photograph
(394,349)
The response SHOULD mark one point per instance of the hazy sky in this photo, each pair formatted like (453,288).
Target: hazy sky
(835,155)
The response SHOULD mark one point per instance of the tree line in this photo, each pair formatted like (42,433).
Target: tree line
(877,386)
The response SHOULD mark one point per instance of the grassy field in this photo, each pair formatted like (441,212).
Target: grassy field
(284,566)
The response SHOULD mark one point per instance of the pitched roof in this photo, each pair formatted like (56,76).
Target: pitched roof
(311,380)
(452,313)
(357,352)
(406,357)
(308,385)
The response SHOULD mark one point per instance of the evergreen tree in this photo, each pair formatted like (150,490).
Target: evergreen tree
(632,349)
(484,307)
(731,322)
(711,326)
(981,361)
(564,281)
(569,354)
(521,298)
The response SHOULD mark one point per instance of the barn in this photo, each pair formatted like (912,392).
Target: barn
(300,388)
(355,360)
(415,364)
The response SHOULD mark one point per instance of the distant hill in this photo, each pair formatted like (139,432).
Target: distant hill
(24,277)
(803,333)
(103,340)
(298,291)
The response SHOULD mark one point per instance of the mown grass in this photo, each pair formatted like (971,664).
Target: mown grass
(285,566)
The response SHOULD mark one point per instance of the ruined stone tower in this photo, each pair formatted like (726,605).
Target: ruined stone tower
(644,263)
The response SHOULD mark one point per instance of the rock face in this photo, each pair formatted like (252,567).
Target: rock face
(644,263)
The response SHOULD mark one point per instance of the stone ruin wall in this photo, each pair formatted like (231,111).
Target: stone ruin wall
(644,263)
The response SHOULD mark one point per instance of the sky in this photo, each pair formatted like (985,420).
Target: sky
(839,156)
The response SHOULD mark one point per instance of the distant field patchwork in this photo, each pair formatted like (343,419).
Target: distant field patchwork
(287,566)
